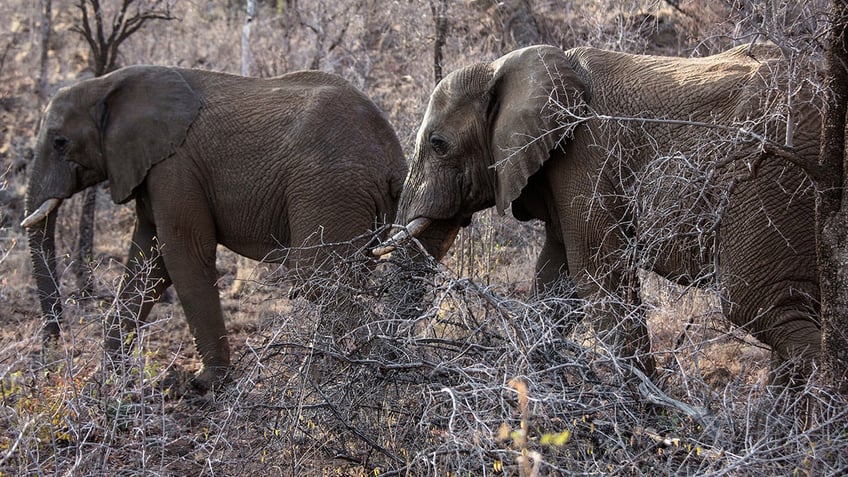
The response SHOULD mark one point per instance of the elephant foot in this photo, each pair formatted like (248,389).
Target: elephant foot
(179,382)
(208,378)
(52,354)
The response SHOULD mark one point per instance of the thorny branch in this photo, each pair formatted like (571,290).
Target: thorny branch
(766,145)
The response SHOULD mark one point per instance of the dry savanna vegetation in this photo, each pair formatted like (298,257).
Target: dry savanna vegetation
(481,382)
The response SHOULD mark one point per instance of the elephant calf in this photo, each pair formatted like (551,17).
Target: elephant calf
(209,158)
(570,137)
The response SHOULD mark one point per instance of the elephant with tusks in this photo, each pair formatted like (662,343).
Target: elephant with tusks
(567,137)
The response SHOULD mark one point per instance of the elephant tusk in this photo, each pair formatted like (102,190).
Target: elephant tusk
(41,212)
(412,229)
(383,249)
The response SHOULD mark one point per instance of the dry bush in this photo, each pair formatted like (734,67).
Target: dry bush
(481,381)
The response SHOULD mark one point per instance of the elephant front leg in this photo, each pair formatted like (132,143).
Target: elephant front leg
(186,230)
(201,302)
(145,280)
(191,265)
(606,278)
(614,305)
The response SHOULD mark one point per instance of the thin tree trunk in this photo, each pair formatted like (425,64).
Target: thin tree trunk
(440,21)
(246,59)
(242,264)
(46,30)
(832,209)
(518,26)
(104,54)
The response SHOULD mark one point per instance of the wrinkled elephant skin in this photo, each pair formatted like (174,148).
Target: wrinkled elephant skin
(569,137)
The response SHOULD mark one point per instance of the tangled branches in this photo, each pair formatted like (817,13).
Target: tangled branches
(476,381)
(415,371)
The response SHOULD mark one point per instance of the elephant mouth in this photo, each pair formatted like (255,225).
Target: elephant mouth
(437,235)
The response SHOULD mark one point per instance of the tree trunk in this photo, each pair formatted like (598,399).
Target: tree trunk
(517,24)
(103,46)
(440,21)
(46,29)
(242,263)
(832,209)
(245,38)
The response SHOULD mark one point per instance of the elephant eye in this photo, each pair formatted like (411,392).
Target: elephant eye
(60,143)
(439,145)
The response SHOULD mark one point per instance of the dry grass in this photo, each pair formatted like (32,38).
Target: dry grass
(481,383)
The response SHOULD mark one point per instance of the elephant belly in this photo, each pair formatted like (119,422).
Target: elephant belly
(256,251)
(260,237)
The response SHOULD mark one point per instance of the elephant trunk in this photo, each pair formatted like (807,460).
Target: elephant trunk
(41,225)
(438,237)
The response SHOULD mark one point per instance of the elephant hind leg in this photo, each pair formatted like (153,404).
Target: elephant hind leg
(144,281)
(796,346)
(328,245)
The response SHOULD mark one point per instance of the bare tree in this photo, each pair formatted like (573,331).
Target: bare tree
(831,207)
(104,38)
(793,28)
(130,17)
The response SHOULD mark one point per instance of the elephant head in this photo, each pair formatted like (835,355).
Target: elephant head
(110,128)
(487,129)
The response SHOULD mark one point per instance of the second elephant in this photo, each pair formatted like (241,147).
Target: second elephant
(303,160)
(591,142)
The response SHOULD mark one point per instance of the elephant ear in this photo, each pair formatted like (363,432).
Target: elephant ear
(530,88)
(144,117)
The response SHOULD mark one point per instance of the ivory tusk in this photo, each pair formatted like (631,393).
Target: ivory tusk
(412,229)
(41,212)
(382,250)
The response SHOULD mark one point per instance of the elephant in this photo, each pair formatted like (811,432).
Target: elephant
(569,136)
(302,160)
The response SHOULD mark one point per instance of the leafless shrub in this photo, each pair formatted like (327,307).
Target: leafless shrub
(481,381)
(478,380)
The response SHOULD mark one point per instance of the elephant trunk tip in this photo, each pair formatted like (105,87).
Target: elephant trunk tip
(41,212)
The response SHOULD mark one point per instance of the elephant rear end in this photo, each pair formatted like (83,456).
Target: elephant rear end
(767,250)
(315,150)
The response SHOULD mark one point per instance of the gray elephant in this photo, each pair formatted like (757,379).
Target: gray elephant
(568,137)
(300,160)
